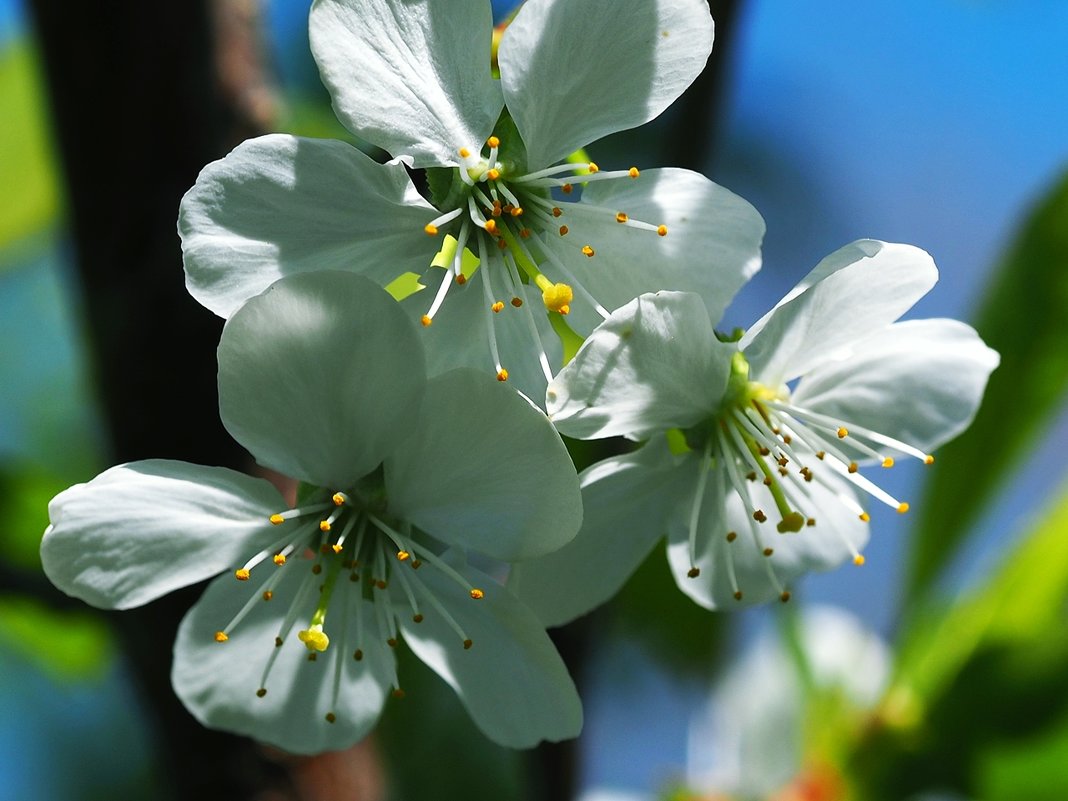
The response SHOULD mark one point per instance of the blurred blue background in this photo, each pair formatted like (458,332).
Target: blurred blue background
(933,122)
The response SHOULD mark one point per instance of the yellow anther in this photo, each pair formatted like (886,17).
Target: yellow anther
(621,217)
(693,572)
(497,306)
(888,461)
(391,642)
(810,522)
(220,636)
(467,645)
(262,691)
(661,230)
(277,519)
(587,251)
(517,302)
(493,173)
(852,467)
(864,517)
(902,508)
(524,233)
(502,375)
(785,596)
(431,230)
(737,595)
(566,189)
(337,547)
(759,516)
(821,454)
(425,320)
(563,230)
(461,279)
(593,167)
(324,525)
(477,594)
(330,717)
(398,693)
(769,551)
(279,559)
(358,655)
(417,618)
(858,560)
(267,595)
(464,152)
(843,433)
(403,555)
(242,574)
(557,211)
(314,638)
(338,499)
(633,172)
(496,210)
(516,211)
(277,642)
(928,459)
(558,297)
(493,141)
(732,536)
(491,225)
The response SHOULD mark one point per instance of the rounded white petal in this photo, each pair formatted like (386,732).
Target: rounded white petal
(279,205)
(854,292)
(483,469)
(573,72)
(320,376)
(143,529)
(512,681)
(918,381)
(627,501)
(412,77)
(655,364)
(218,681)
(712,246)
(830,542)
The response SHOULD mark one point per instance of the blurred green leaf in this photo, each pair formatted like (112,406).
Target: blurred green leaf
(30,199)
(1025,317)
(68,645)
(1034,769)
(26,491)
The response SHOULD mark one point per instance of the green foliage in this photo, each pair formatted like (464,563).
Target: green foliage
(1025,318)
(27,491)
(67,645)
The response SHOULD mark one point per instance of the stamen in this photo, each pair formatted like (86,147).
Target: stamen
(434,225)
(855,430)
(558,263)
(423,553)
(532,327)
(287,625)
(487,292)
(443,290)
(441,610)
(289,514)
(695,509)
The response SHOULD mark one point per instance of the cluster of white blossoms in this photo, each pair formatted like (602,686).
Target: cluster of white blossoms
(393,349)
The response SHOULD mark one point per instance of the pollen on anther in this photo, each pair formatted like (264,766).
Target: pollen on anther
(842,433)
(759,516)
(693,572)
(477,594)
(563,230)
(737,595)
(431,230)
(324,525)
(277,642)
(262,691)
(267,595)
(402,555)
(928,459)
(358,655)
(517,302)
(493,141)
(467,645)
(587,251)
(398,693)
(810,522)
(330,717)
(769,551)
(221,636)
(864,517)
(497,306)
(524,233)
(661,230)
(557,211)
(902,508)
(337,547)
(858,560)
(593,167)
(491,225)
(633,172)
(732,536)
(621,217)
(464,152)
(493,173)
(567,189)
(242,574)
(426,320)
(338,499)
(392,642)
(785,596)
(852,467)
(888,461)
(279,559)
(277,519)
(516,211)
(417,618)
(502,375)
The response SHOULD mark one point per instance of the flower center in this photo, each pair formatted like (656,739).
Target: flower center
(760,435)
(331,537)
(510,222)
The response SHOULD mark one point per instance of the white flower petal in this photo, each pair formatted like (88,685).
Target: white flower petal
(320,376)
(918,381)
(512,681)
(627,501)
(143,529)
(573,72)
(412,77)
(484,470)
(862,288)
(712,245)
(217,681)
(655,364)
(813,548)
(280,204)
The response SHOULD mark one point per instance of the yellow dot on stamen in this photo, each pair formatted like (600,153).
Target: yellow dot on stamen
(566,189)
(888,462)
(621,217)
(587,251)
(902,508)
(425,320)
(516,211)
(785,596)
(403,555)
(843,433)
(358,655)
(769,551)
(330,717)
(557,211)
(928,459)
(220,636)
(563,230)
(477,594)
(417,618)
(767,481)
(496,210)
(277,642)
(732,536)
(277,519)
(493,173)
(431,230)
(416,564)
(336,547)
(661,230)
(759,516)
(314,638)
(593,167)
(497,306)
(502,375)
(262,691)
(633,172)
(821,454)
(467,645)
(324,525)
(864,517)
(858,560)
(557,297)
(737,595)
(852,467)
(461,279)
(810,522)
(338,499)
(491,226)
(242,574)
(267,595)
(464,152)
(279,559)
(392,642)
(517,302)
(493,141)
(398,693)
(693,572)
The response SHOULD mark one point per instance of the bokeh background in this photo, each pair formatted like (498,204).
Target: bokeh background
(942,123)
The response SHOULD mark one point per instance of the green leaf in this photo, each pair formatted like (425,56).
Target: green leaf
(67,645)
(1025,317)
(1033,769)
